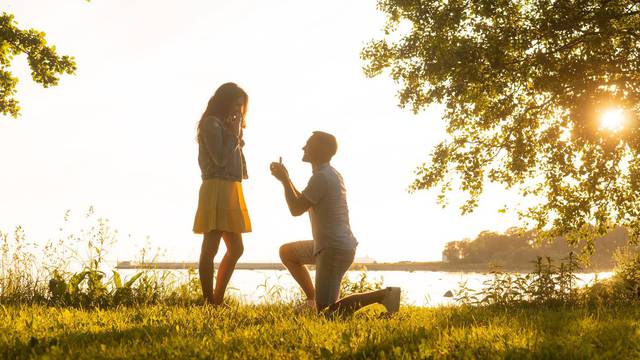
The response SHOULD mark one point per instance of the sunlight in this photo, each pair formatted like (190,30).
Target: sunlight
(612,120)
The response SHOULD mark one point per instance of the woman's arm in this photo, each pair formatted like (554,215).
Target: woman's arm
(218,142)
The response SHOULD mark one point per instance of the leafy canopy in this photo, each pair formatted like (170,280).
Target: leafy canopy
(524,84)
(43,60)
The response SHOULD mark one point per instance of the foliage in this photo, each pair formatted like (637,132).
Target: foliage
(524,84)
(546,284)
(275,293)
(46,65)
(18,282)
(67,276)
(77,317)
(363,284)
(516,247)
(627,275)
(623,286)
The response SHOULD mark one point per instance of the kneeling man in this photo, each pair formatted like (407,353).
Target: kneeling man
(333,247)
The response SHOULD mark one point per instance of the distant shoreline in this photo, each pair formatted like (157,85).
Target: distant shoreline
(397,266)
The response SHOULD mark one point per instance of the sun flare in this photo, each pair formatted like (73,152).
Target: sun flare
(612,120)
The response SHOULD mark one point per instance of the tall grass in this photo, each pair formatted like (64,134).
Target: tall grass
(20,280)
(63,300)
(72,270)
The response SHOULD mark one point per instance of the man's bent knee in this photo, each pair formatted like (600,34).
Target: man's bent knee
(286,255)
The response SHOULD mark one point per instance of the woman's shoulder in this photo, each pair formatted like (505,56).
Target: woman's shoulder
(211,121)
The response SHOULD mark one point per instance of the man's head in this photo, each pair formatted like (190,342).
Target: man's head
(320,148)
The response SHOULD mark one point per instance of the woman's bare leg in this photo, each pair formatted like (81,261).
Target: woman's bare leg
(233,241)
(210,243)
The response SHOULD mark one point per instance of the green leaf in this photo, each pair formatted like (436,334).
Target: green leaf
(117,280)
(46,65)
(75,281)
(133,279)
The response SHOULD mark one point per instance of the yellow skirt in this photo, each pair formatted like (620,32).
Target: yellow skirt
(221,207)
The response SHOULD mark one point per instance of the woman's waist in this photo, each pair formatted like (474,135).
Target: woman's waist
(230,170)
(226,178)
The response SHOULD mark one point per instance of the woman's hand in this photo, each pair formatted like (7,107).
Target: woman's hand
(233,123)
(279,171)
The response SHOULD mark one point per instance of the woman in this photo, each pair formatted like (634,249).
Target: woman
(222,212)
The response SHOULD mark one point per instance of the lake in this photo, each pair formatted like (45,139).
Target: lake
(421,288)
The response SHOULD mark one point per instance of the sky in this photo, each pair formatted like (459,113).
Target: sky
(119,135)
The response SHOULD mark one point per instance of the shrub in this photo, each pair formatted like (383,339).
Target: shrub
(546,284)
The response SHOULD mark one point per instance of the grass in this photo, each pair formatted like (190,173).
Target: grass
(62,302)
(273,331)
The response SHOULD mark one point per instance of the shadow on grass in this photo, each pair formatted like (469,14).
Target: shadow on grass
(74,341)
(514,332)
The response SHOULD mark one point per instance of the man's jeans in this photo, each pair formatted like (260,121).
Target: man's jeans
(331,265)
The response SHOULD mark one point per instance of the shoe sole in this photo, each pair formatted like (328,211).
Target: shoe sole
(392,300)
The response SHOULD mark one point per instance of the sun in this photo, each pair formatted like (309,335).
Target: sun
(612,120)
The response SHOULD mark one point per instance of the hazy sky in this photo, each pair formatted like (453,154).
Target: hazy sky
(120,134)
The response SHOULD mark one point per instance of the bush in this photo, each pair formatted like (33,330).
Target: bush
(547,284)
(623,286)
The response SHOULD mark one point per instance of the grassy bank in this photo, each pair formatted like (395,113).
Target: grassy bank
(65,302)
(272,331)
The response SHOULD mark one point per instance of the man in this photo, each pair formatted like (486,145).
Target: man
(333,247)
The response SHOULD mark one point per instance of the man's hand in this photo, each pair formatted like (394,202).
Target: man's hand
(279,171)
(298,204)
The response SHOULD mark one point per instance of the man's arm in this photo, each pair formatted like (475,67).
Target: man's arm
(297,202)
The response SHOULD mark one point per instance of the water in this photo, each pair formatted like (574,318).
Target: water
(421,288)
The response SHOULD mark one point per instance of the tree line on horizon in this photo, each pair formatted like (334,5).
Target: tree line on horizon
(519,247)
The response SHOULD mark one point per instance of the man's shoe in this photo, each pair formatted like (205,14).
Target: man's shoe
(391,299)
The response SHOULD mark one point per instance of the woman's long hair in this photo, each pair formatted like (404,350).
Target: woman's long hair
(222,102)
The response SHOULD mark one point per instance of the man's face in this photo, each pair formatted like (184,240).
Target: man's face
(309,150)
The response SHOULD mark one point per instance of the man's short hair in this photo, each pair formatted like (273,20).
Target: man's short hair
(327,143)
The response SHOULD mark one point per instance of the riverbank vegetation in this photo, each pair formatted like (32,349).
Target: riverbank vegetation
(517,247)
(69,304)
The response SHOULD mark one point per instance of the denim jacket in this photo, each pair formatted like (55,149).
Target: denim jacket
(220,152)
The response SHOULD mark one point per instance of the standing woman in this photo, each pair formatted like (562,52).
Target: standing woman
(222,212)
